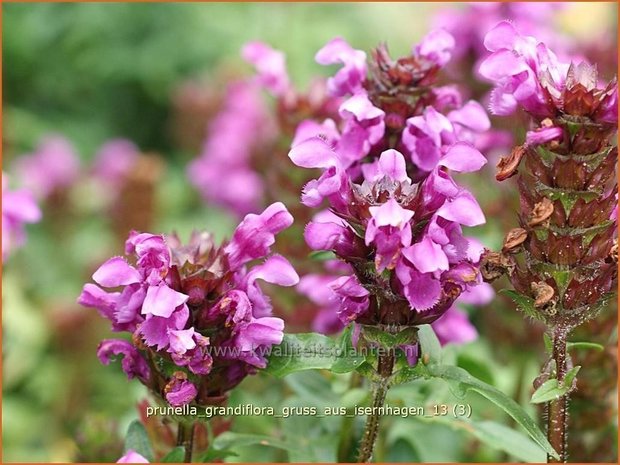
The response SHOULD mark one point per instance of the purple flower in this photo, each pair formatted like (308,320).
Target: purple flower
(389,230)
(469,24)
(412,231)
(454,328)
(436,47)
(179,391)
(349,79)
(316,288)
(54,165)
(18,208)
(252,337)
(223,172)
(199,305)
(131,456)
(133,363)
(435,140)
(525,72)
(353,298)
(114,161)
(256,233)
(543,135)
(270,65)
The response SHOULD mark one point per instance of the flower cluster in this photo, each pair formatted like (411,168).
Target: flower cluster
(198,318)
(18,208)
(403,240)
(243,137)
(53,166)
(568,188)
(470,24)
(396,104)
(396,214)
(224,173)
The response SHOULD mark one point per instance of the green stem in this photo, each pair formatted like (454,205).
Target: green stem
(557,410)
(185,439)
(345,443)
(381,387)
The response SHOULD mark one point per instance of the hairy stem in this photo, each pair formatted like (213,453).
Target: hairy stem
(380,389)
(185,438)
(346,442)
(557,417)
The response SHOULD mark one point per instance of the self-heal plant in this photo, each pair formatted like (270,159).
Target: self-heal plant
(395,214)
(562,260)
(198,319)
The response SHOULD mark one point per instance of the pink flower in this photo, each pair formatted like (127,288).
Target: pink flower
(349,79)
(256,234)
(133,363)
(270,65)
(180,391)
(114,160)
(53,165)
(131,456)
(525,72)
(389,231)
(223,173)
(198,305)
(18,209)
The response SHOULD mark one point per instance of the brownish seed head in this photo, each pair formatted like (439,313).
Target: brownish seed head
(543,293)
(507,166)
(513,240)
(541,213)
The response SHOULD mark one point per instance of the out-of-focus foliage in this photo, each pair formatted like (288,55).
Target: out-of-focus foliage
(97,71)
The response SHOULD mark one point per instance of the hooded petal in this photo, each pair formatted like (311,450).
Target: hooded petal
(463,157)
(427,256)
(313,153)
(162,301)
(275,270)
(256,233)
(463,209)
(116,272)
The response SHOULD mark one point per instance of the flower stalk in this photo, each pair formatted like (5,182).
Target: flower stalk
(185,439)
(561,261)
(371,430)
(557,417)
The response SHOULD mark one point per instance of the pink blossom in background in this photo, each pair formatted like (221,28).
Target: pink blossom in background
(53,165)
(223,173)
(18,209)
(114,160)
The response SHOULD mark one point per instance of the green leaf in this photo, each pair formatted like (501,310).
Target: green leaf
(176,455)
(549,390)
(552,389)
(429,345)
(548,342)
(509,440)
(497,436)
(467,382)
(211,455)
(312,351)
(321,255)
(138,440)
(348,360)
(525,303)
(585,345)
(378,336)
(229,439)
(570,376)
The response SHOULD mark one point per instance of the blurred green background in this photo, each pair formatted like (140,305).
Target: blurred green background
(97,71)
